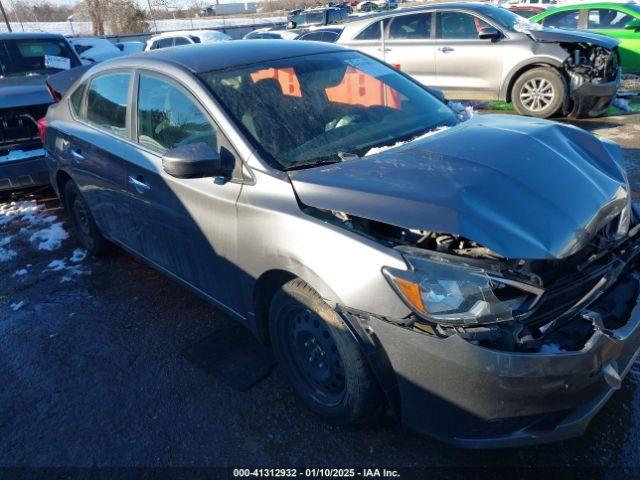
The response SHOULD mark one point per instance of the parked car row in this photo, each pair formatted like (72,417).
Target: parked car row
(476,277)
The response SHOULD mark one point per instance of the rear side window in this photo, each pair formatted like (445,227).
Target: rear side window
(416,27)
(313,36)
(608,19)
(76,100)
(181,41)
(568,19)
(372,32)
(169,118)
(107,99)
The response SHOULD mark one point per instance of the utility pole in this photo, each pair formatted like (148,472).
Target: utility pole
(4,14)
(155,25)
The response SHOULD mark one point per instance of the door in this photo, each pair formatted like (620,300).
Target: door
(411,47)
(612,22)
(96,146)
(466,66)
(187,226)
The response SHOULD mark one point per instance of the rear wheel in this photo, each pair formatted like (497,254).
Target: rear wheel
(86,229)
(320,357)
(539,92)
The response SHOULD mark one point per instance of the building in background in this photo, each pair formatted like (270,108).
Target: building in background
(228,9)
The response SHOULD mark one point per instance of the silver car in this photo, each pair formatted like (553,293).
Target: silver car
(475,51)
(458,273)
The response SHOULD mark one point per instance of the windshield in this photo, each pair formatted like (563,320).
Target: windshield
(35,57)
(311,109)
(510,21)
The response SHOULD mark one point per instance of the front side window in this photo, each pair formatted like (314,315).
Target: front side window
(169,118)
(566,19)
(460,26)
(305,110)
(608,19)
(415,27)
(373,31)
(35,57)
(107,100)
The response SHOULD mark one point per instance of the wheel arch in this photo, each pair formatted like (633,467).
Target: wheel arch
(268,283)
(521,68)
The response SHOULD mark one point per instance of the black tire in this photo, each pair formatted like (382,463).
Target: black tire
(320,357)
(87,231)
(539,92)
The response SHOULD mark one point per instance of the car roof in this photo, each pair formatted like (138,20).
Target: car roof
(419,8)
(30,35)
(205,57)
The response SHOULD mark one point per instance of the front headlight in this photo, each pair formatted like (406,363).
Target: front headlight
(449,290)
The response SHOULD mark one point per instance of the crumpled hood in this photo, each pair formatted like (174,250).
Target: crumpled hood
(573,36)
(522,187)
(24,91)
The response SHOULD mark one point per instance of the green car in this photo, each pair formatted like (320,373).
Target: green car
(617,20)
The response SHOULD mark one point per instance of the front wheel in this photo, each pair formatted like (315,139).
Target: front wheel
(320,357)
(539,92)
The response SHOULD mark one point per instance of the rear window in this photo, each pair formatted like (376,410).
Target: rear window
(35,57)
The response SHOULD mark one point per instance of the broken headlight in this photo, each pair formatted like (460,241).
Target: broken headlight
(443,289)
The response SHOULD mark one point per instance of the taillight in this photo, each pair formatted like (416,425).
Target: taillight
(42,127)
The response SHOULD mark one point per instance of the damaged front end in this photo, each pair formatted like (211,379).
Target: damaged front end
(594,79)
(498,352)
(592,69)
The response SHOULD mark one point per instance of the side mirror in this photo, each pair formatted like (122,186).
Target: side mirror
(633,24)
(291,25)
(489,33)
(197,160)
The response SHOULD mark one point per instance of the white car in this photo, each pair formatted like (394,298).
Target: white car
(94,49)
(185,37)
(270,33)
(130,47)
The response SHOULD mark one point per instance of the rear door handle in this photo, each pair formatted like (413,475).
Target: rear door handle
(139,184)
(384,49)
(76,154)
(446,49)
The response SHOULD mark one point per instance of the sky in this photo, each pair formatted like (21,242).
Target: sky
(143,3)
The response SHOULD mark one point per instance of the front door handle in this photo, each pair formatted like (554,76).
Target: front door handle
(446,49)
(77,155)
(384,49)
(139,184)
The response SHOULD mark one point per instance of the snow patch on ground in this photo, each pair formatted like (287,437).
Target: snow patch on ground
(21,272)
(70,271)
(50,238)
(373,151)
(17,305)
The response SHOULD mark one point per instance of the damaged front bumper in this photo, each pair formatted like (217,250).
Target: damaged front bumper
(478,397)
(590,99)
(23,169)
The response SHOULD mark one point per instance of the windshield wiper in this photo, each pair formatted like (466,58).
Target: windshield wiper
(342,157)
(317,163)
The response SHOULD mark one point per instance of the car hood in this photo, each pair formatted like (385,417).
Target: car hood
(572,36)
(524,188)
(24,91)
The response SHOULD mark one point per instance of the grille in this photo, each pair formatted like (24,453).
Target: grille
(19,128)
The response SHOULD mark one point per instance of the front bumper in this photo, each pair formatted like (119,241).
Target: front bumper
(592,99)
(23,170)
(477,397)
